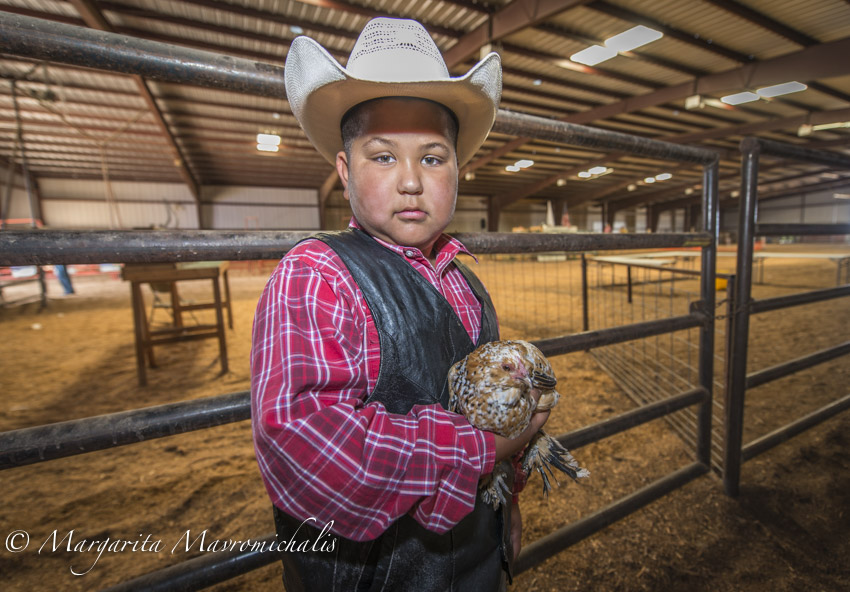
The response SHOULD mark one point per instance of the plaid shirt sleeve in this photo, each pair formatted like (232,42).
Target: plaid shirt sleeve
(322,453)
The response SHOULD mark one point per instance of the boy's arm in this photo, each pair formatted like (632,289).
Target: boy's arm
(324,454)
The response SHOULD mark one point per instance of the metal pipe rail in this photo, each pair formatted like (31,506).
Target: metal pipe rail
(629,419)
(549,545)
(68,438)
(768,304)
(801,229)
(47,247)
(780,435)
(556,346)
(778,371)
(204,571)
(77,436)
(737,379)
(57,42)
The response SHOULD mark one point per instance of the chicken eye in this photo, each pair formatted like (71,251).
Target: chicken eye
(506,367)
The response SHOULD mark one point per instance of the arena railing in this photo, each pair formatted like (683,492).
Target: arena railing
(739,381)
(46,40)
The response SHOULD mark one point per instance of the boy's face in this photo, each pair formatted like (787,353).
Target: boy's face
(401,177)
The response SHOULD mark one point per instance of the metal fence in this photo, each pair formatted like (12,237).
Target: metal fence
(739,380)
(51,41)
(628,290)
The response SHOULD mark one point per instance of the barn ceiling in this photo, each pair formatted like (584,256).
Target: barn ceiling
(81,123)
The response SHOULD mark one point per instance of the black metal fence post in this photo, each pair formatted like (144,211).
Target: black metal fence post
(736,389)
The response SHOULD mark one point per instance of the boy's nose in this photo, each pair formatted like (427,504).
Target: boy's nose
(409,180)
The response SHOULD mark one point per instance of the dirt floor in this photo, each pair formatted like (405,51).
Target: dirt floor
(788,529)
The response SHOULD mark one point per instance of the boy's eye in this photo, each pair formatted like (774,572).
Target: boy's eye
(431,161)
(384,159)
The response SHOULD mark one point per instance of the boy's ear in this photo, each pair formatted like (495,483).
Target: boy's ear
(342,171)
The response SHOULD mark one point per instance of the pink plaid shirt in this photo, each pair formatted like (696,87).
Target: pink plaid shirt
(322,453)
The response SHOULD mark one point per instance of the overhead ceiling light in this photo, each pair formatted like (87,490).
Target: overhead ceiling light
(524,163)
(267,147)
(649,180)
(271,139)
(663,177)
(537,82)
(735,193)
(585,174)
(593,55)
(841,195)
(689,190)
(512,168)
(631,187)
(597,170)
(561,182)
(633,38)
(781,89)
(741,97)
(470,176)
(296,30)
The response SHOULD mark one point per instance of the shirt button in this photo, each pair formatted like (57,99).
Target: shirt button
(410,253)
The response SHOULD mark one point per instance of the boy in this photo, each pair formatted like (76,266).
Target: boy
(356,331)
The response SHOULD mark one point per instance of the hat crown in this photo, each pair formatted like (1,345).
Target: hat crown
(396,50)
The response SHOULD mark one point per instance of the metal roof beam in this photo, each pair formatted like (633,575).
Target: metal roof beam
(511,18)
(95,19)
(762,20)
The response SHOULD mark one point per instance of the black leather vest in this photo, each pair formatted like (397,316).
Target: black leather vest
(421,337)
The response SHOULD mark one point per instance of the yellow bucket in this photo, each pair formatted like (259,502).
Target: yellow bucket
(720,283)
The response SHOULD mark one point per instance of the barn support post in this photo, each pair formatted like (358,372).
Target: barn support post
(736,386)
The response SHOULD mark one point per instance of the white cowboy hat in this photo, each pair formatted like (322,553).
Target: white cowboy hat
(391,58)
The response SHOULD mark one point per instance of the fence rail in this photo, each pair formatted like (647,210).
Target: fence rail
(47,247)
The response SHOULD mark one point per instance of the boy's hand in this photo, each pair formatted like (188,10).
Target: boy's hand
(506,448)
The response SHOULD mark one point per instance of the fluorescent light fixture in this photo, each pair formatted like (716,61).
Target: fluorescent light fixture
(649,180)
(271,139)
(781,89)
(631,187)
(561,182)
(597,170)
(470,176)
(512,168)
(537,82)
(741,97)
(694,102)
(689,190)
(296,30)
(585,175)
(267,148)
(524,163)
(593,55)
(841,195)
(633,38)
(663,177)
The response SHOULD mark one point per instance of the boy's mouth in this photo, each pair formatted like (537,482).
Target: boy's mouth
(411,214)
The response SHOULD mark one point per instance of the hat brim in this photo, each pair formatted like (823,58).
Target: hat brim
(321,91)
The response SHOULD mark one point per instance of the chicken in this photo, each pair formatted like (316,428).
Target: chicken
(491,387)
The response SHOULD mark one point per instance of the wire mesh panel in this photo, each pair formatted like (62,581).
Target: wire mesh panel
(654,368)
(536,295)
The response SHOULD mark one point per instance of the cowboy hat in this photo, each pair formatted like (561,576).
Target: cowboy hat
(391,58)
